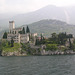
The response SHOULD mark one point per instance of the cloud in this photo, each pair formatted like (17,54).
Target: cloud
(23,6)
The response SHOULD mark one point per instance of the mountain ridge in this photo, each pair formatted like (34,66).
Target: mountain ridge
(47,12)
(49,26)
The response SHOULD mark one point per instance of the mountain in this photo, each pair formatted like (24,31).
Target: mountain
(49,12)
(50,26)
(70,14)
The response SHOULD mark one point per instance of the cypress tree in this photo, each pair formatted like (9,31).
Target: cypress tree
(41,39)
(70,44)
(12,42)
(23,30)
(29,37)
(27,30)
(8,43)
(5,35)
(37,42)
(1,48)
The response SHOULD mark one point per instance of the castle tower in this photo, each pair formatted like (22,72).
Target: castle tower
(11,26)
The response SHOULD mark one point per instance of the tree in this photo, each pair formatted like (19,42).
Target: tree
(37,42)
(51,47)
(8,43)
(54,38)
(23,30)
(73,45)
(1,48)
(70,44)
(20,32)
(69,36)
(12,42)
(54,35)
(27,30)
(62,37)
(44,41)
(41,37)
(5,35)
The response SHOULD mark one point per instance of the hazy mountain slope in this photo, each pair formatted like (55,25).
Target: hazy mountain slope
(49,12)
(49,26)
(71,14)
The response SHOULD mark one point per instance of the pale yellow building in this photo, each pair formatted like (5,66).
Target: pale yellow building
(16,36)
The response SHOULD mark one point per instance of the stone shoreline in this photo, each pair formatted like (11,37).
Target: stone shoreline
(43,52)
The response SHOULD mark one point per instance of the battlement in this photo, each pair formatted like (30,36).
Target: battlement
(11,21)
(11,25)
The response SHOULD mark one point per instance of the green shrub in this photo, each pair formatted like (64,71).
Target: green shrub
(51,47)
(8,48)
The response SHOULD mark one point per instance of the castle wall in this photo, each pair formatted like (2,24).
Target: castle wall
(16,36)
(11,25)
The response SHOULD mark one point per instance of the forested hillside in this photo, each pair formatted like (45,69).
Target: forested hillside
(50,26)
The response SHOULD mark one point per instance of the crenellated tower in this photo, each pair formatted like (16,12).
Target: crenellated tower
(11,26)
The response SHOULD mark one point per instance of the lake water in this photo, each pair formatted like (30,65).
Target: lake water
(38,65)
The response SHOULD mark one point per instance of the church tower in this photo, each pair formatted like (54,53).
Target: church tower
(11,26)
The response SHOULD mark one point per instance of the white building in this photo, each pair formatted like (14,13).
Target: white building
(15,35)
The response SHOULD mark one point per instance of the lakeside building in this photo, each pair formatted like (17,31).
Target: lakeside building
(16,36)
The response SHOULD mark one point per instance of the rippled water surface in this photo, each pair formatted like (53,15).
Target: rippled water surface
(38,65)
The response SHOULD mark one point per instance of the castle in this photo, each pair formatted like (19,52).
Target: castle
(16,36)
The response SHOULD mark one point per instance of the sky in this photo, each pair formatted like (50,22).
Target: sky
(24,6)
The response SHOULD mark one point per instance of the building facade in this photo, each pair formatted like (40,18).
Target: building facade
(15,35)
